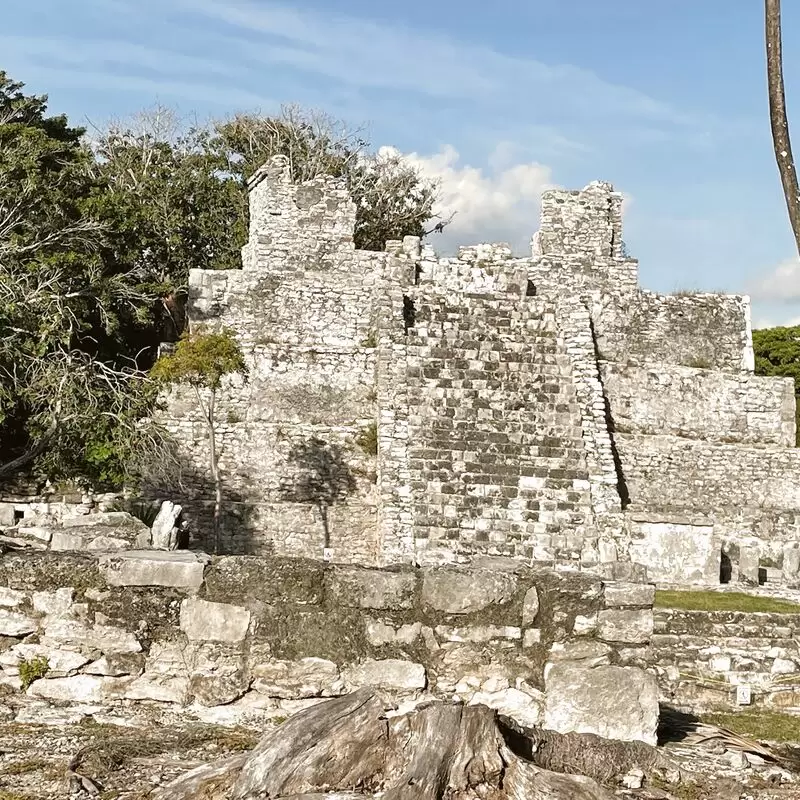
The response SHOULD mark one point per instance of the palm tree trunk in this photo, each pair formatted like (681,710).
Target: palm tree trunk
(777,115)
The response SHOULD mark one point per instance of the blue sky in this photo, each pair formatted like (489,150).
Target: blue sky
(667,100)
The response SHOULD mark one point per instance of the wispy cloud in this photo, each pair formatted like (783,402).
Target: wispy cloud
(122,66)
(370,55)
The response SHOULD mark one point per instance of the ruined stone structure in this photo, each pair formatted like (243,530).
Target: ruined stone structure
(404,408)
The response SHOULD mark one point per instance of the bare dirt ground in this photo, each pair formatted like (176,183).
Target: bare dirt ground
(130,762)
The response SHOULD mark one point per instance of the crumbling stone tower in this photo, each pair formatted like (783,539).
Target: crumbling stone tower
(403,407)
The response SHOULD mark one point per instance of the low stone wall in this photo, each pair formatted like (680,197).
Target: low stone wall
(700,404)
(233,637)
(701,658)
(663,472)
(709,331)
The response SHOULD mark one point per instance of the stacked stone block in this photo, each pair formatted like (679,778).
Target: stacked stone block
(701,658)
(240,638)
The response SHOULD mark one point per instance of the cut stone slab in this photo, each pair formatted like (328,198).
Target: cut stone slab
(392,674)
(11,598)
(530,607)
(74,634)
(629,594)
(513,703)
(630,626)
(164,532)
(203,621)
(613,702)
(457,592)
(160,688)
(178,569)
(55,603)
(367,588)
(60,662)
(78,688)
(115,665)
(295,680)
(678,552)
(589,652)
(477,633)
(13,623)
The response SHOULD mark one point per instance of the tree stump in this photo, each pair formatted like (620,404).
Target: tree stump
(347,747)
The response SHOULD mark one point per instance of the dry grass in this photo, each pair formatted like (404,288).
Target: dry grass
(111,749)
(24,767)
(722,601)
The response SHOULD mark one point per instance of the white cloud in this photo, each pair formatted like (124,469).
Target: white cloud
(781,284)
(775,322)
(499,205)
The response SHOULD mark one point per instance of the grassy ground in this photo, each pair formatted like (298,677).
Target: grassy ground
(722,601)
(758,724)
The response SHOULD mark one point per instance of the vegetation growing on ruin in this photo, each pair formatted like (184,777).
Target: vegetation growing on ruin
(722,601)
(32,669)
(202,360)
(367,439)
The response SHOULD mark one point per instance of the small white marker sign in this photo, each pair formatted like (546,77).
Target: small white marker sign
(743,696)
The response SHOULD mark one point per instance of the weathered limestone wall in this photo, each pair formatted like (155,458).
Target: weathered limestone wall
(404,408)
(709,331)
(294,439)
(234,637)
(702,404)
(700,658)
(670,472)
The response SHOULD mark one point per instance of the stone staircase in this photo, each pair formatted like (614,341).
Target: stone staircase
(496,454)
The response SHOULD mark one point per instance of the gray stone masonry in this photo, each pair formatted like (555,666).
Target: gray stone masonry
(701,657)
(237,637)
(405,408)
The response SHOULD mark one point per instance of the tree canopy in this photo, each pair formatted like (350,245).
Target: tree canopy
(97,237)
(777,352)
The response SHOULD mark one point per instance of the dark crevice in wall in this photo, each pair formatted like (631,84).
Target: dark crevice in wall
(409,313)
(530,289)
(417,274)
(622,485)
(611,223)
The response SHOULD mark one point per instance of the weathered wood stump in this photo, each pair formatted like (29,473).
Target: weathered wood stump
(347,747)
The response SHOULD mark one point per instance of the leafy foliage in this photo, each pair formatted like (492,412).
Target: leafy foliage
(201,360)
(97,238)
(777,352)
(392,198)
(71,399)
(32,669)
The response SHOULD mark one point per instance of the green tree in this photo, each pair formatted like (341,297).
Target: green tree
(777,352)
(201,360)
(168,205)
(392,198)
(69,403)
